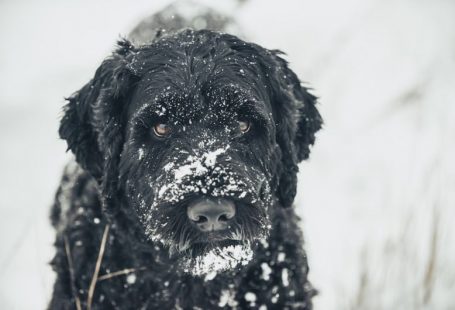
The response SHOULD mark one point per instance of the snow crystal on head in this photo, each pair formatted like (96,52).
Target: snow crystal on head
(196,165)
(219,259)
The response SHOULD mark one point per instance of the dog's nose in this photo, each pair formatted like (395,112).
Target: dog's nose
(210,214)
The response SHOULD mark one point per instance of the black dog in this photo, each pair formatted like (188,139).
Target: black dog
(181,197)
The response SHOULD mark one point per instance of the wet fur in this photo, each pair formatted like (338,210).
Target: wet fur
(96,127)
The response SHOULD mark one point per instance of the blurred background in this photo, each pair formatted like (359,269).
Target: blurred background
(377,196)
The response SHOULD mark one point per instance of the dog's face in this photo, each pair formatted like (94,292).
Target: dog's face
(200,153)
(199,134)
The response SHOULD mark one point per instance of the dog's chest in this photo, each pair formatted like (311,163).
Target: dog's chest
(263,283)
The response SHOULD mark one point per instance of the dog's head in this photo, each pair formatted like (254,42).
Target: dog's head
(199,135)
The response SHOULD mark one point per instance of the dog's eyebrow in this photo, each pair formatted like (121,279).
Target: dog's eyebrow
(256,110)
(156,104)
(244,101)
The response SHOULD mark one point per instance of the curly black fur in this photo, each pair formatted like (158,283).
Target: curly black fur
(201,83)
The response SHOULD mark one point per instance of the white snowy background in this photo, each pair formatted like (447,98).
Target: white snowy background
(377,197)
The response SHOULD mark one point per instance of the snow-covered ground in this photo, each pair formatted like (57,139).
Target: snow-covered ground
(377,197)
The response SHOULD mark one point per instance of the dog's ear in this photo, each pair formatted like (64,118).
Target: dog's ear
(297,122)
(92,120)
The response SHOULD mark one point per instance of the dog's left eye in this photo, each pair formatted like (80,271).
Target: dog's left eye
(244,126)
(161,129)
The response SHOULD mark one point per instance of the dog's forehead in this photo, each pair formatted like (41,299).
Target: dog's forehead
(199,97)
(197,74)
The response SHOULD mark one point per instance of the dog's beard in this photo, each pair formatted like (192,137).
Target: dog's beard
(224,251)
(200,254)
(208,260)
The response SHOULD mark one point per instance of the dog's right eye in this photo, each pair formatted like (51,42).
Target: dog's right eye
(161,130)
(244,126)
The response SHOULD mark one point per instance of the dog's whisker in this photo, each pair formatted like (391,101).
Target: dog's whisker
(172,250)
(237,235)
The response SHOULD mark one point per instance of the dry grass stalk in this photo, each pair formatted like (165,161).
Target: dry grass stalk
(119,273)
(91,290)
(71,269)
(429,278)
